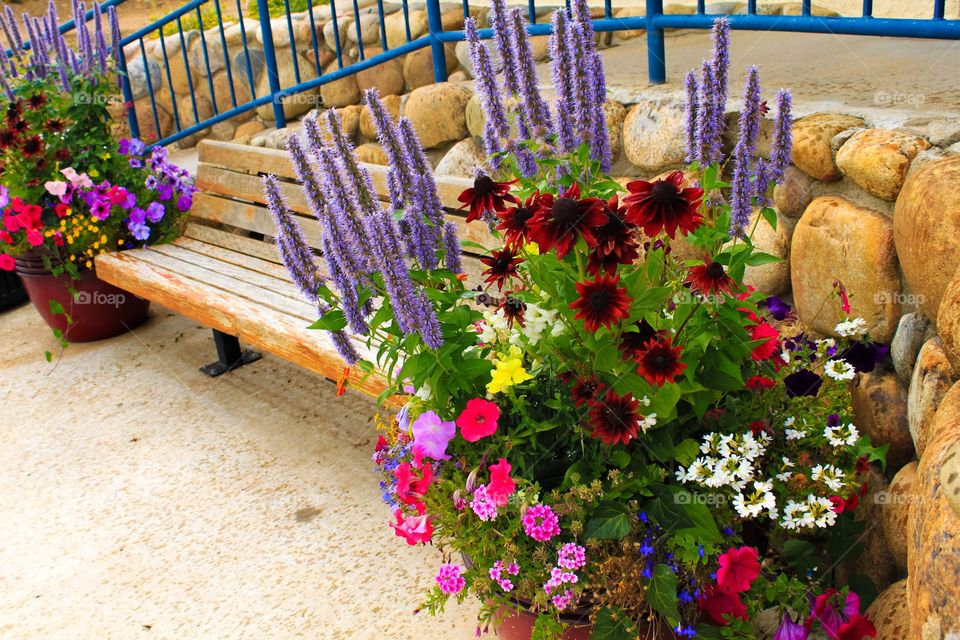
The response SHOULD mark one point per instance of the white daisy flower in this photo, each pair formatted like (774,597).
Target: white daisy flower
(795,515)
(648,422)
(821,511)
(852,327)
(795,434)
(840,370)
(789,421)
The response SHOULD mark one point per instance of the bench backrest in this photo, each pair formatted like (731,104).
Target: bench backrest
(230,193)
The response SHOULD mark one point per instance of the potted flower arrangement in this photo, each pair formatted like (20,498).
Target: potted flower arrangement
(613,436)
(69,190)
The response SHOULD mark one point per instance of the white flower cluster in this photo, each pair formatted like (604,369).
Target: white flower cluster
(814,512)
(840,370)
(842,435)
(829,475)
(851,327)
(537,322)
(728,460)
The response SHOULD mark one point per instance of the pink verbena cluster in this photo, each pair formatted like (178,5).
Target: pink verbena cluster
(483,504)
(541,523)
(450,579)
(572,556)
(497,571)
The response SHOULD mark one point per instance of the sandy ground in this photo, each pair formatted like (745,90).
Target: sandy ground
(141,499)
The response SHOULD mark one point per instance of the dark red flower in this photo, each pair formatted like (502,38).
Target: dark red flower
(14,111)
(721,605)
(514,221)
(602,301)
(756,383)
(585,390)
(486,195)
(32,146)
(502,265)
(560,221)
(36,101)
(55,125)
(8,138)
(738,569)
(616,243)
(615,419)
(710,279)
(764,331)
(632,342)
(664,205)
(20,126)
(513,309)
(659,363)
(62,155)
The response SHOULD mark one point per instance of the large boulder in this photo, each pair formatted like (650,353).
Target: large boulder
(934,554)
(463,159)
(654,135)
(397,28)
(894,512)
(793,195)
(418,66)
(369,24)
(880,411)
(926,227)
(615,114)
(137,74)
(932,378)
(812,136)
(878,160)
(287,71)
(874,562)
(948,322)
(890,612)
(387,77)
(437,112)
(341,92)
(372,153)
(838,240)
(910,336)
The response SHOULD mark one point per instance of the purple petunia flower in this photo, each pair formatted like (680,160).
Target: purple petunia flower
(100,209)
(155,212)
(138,230)
(164,192)
(777,307)
(184,202)
(802,383)
(151,182)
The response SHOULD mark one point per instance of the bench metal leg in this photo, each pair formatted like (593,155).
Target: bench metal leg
(230,354)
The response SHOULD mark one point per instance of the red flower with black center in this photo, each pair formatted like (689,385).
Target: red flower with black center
(20,126)
(514,221)
(8,138)
(502,265)
(62,154)
(14,111)
(616,243)
(55,125)
(32,146)
(663,205)
(602,301)
(632,342)
(615,419)
(659,363)
(486,195)
(36,101)
(585,390)
(513,310)
(560,221)
(710,279)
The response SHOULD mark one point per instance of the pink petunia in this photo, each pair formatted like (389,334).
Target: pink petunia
(478,420)
(55,187)
(7,263)
(738,568)
(501,485)
(414,529)
(431,435)
(34,237)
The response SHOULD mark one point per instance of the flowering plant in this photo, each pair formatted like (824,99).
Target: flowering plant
(567,423)
(69,190)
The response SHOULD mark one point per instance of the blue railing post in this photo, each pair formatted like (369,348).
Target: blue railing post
(435,25)
(270,62)
(127,92)
(656,48)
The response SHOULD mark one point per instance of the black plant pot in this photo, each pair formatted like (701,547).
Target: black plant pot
(12,292)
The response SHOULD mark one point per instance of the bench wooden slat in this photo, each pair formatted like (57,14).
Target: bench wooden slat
(257,160)
(279,333)
(266,251)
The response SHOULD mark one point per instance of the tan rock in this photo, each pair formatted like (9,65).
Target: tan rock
(878,160)
(811,143)
(910,336)
(437,113)
(418,66)
(894,512)
(247,130)
(950,477)
(397,29)
(294,105)
(615,113)
(654,133)
(838,240)
(931,380)
(463,159)
(880,411)
(367,126)
(371,152)
(772,278)
(890,612)
(369,29)
(630,12)
(224,97)
(948,322)
(934,554)
(341,26)
(342,92)
(452,19)
(926,226)
(387,78)
(792,196)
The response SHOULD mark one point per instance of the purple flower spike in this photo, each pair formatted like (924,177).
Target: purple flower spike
(451,248)
(693,113)
(710,135)
(783,140)
(750,115)
(741,191)
(294,251)
(501,35)
(721,59)
(535,108)
(562,61)
(496,126)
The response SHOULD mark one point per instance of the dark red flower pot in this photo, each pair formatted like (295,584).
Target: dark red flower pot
(519,626)
(99,310)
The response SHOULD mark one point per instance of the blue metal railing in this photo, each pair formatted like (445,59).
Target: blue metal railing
(655,22)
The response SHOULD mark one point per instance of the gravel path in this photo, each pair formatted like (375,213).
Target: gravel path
(141,499)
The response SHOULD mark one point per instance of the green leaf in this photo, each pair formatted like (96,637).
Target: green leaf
(48,356)
(610,522)
(686,451)
(619,458)
(612,624)
(760,258)
(331,321)
(770,215)
(56,308)
(662,594)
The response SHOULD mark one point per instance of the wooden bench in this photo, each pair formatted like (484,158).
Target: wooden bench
(225,273)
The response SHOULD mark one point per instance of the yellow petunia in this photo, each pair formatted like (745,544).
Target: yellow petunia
(507,372)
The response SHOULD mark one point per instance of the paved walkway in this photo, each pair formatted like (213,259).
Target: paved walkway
(141,499)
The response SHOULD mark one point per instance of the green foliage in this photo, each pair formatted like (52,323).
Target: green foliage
(278,8)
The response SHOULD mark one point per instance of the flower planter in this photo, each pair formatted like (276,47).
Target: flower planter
(12,292)
(99,310)
(519,626)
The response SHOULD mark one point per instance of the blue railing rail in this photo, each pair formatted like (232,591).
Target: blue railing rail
(188,119)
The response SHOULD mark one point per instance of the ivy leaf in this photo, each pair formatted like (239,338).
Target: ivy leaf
(56,308)
(609,523)
(662,594)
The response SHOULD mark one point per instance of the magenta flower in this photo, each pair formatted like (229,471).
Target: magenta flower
(790,630)
(541,523)
(449,578)
(572,556)
(431,436)
(483,504)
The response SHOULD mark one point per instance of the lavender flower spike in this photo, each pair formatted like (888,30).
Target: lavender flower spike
(750,115)
(561,62)
(741,190)
(306,176)
(501,33)
(16,40)
(496,127)
(100,39)
(294,251)
(709,135)
(451,248)
(721,59)
(783,140)
(535,108)
(693,113)
(426,189)
(398,177)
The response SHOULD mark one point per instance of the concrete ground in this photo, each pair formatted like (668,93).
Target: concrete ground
(141,499)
